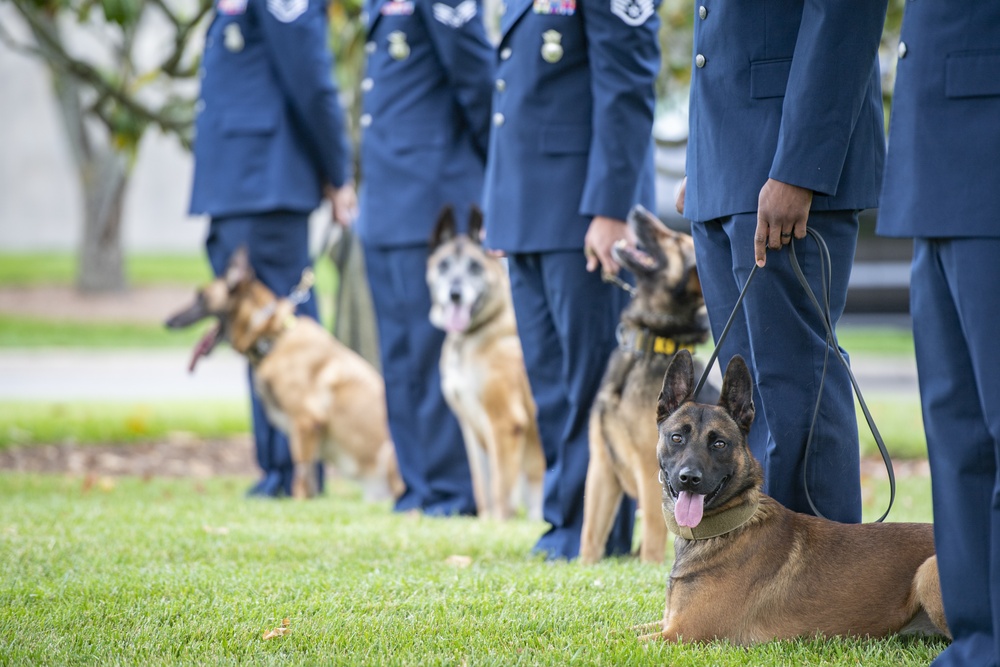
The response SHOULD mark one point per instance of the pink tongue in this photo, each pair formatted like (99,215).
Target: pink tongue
(688,509)
(456,318)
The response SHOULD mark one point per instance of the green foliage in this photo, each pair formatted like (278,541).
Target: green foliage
(125,571)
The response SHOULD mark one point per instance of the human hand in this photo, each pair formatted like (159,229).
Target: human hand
(602,234)
(679,195)
(782,212)
(344,202)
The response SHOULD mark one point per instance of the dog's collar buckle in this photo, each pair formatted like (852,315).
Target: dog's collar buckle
(715,525)
(644,342)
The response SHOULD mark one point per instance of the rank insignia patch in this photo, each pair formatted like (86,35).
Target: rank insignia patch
(455,17)
(287,11)
(633,12)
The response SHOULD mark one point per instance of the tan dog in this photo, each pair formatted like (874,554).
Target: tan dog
(482,369)
(667,313)
(749,570)
(323,395)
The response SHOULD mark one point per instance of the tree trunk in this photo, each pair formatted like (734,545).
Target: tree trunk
(101,266)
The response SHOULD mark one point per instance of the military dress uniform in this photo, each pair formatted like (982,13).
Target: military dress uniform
(942,188)
(789,90)
(572,122)
(269,136)
(424,136)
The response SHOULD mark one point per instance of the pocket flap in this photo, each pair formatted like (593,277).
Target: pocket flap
(974,74)
(769,78)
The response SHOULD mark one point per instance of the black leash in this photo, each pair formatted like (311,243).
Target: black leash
(831,343)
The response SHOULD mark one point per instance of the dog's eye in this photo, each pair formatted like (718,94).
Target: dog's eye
(475,269)
(676,438)
(444,266)
(720,444)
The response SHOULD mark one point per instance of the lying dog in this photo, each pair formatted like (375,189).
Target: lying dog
(482,369)
(666,314)
(747,569)
(323,395)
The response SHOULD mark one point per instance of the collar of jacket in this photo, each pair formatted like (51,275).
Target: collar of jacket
(715,525)
(644,342)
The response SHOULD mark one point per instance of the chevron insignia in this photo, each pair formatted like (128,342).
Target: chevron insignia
(633,12)
(458,16)
(287,11)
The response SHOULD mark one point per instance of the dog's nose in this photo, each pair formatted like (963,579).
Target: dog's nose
(690,476)
(455,295)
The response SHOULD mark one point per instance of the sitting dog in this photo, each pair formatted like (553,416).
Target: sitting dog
(749,570)
(323,395)
(666,314)
(482,369)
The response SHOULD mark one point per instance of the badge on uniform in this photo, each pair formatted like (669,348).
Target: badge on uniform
(231,7)
(397,8)
(287,11)
(455,17)
(398,48)
(552,50)
(232,38)
(554,7)
(633,12)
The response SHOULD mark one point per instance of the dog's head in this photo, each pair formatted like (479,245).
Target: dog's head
(467,285)
(668,296)
(702,449)
(217,299)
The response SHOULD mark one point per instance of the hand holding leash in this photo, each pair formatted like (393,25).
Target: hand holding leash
(782,212)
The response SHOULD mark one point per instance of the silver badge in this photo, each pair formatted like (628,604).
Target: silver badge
(233,37)
(552,50)
(398,48)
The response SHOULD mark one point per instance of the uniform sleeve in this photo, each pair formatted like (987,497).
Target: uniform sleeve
(624,53)
(832,65)
(459,38)
(296,37)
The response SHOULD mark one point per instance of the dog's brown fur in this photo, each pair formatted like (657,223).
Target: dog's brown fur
(482,369)
(780,574)
(667,311)
(324,396)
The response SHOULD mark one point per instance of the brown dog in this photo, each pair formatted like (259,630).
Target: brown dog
(322,394)
(666,314)
(482,369)
(747,569)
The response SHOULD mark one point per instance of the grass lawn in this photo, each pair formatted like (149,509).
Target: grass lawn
(162,571)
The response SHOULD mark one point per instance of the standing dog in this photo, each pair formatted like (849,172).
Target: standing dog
(749,570)
(482,368)
(319,392)
(666,314)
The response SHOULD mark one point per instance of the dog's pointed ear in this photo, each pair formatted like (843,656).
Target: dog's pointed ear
(238,270)
(476,224)
(736,396)
(678,385)
(444,229)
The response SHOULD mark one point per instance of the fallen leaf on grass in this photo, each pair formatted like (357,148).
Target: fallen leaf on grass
(280,631)
(458,561)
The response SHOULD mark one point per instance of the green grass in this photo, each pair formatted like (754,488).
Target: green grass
(86,422)
(25,270)
(188,572)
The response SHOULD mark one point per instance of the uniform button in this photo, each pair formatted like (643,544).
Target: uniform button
(702,12)
(501,85)
(498,119)
(699,60)
(367,84)
(902,49)
(199,106)
(370,47)
(365,120)
(506,53)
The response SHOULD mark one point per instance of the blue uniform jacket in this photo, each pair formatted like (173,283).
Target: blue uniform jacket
(572,120)
(946,104)
(425,123)
(786,89)
(270,128)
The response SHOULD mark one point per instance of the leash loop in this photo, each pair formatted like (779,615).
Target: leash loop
(831,343)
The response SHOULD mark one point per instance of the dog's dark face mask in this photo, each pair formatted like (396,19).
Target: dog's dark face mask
(702,451)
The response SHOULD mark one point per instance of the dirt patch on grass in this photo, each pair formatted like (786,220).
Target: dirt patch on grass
(138,305)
